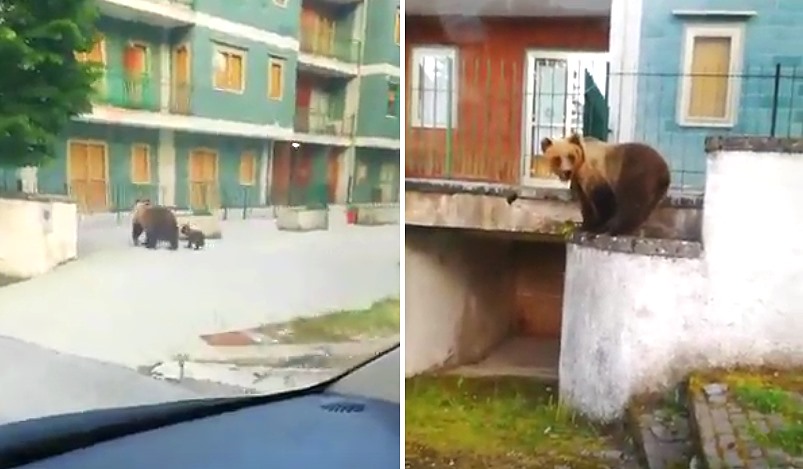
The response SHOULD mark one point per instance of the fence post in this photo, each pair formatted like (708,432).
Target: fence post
(775,94)
(449,105)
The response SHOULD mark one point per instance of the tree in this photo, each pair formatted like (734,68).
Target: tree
(42,84)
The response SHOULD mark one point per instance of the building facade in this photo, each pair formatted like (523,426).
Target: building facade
(205,103)
(708,67)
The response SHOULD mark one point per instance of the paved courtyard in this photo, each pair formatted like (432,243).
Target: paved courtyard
(134,307)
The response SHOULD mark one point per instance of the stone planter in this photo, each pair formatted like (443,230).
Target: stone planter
(39,232)
(209,224)
(378,214)
(302,219)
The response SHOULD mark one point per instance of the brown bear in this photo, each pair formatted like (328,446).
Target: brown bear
(618,185)
(195,238)
(157,222)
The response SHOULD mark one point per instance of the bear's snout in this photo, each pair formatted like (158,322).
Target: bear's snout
(565,175)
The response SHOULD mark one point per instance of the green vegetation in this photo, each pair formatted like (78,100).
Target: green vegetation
(381,319)
(43,85)
(771,396)
(495,423)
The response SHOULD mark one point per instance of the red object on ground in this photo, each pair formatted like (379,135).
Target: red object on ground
(351,216)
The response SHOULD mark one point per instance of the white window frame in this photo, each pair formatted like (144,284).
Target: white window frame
(734,32)
(449,52)
(224,49)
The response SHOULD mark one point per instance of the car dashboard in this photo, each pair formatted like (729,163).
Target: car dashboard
(351,423)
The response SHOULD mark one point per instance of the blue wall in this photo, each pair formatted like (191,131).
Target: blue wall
(771,37)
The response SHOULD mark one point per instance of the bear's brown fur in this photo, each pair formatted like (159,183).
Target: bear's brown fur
(195,238)
(157,222)
(618,185)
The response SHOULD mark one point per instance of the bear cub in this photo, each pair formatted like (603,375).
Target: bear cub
(195,238)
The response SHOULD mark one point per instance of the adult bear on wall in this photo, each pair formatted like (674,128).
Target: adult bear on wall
(157,222)
(618,185)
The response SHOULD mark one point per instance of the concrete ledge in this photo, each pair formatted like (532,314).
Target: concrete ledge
(753,144)
(378,214)
(638,245)
(679,218)
(209,224)
(302,219)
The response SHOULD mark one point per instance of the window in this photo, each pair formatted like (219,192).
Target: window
(397,29)
(140,164)
(434,76)
(97,54)
(229,66)
(275,78)
(248,169)
(710,88)
(393,100)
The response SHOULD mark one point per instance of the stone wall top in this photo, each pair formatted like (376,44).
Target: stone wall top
(36,197)
(449,187)
(757,144)
(642,246)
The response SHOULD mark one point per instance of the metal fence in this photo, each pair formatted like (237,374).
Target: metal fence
(484,121)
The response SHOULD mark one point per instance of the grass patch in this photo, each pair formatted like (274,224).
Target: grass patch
(495,423)
(770,399)
(381,319)
(772,393)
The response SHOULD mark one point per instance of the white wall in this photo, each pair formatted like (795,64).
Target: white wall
(29,243)
(635,323)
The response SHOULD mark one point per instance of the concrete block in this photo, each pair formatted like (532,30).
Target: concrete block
(302,219)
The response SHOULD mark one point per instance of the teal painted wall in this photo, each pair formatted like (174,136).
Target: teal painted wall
(253,105)
(372,119)
(52,177)
(373,159)
(380,45)
(262,14)
(117,34)
(229,150)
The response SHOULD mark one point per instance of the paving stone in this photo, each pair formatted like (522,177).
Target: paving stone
(715,389)
(733,459)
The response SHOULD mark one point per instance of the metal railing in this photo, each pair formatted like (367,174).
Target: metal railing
(483,124)
(128,90)
(323,122)
(316,43)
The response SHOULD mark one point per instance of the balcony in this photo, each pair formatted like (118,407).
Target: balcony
(321,122)
(128,90)
(324,45)
(160,13)
(181,98)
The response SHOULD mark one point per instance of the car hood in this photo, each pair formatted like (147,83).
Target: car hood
(37,382)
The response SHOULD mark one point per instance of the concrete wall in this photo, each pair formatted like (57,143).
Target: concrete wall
(38,233)
(639,314)
(458,301)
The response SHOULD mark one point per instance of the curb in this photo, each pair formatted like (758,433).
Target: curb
(278,353)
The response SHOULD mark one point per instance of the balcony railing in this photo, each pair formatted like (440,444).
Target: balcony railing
(128,90)
(315,43)
(181,98)
(313,121)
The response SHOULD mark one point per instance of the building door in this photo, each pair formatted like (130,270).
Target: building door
(88,175)
(203,179)
(333,172)
(388,175)
(280,174)
(555,96)
(180,101)
(135,62)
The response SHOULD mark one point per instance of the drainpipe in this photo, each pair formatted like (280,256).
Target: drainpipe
(358,83)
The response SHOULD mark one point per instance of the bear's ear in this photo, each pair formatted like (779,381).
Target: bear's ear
(575,139)
(545,143)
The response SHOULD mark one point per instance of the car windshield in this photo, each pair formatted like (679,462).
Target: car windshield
(217,213)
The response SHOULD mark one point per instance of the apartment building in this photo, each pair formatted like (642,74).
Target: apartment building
(209,103)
